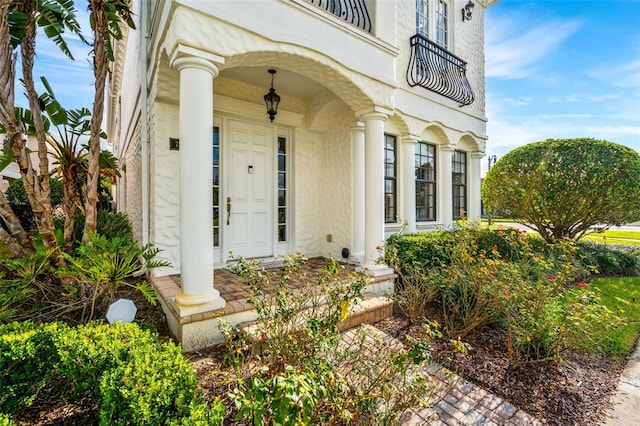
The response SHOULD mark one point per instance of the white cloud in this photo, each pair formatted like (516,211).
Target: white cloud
(513,54)
(622,75)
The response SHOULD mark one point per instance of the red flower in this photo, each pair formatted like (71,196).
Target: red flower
(500,231)
(504,259)
(494,248)
(491,274)
(378,248)
(580,284)
(471,257)
(522,231)
(505,293)
(552,277)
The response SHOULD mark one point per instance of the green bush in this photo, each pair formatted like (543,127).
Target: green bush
(156,384)
(610,259)
(125,370)
(6,420)
(108,224)
(201,415)
(27,360)
(563,187)
(87,351)
(421,251)
(17,197)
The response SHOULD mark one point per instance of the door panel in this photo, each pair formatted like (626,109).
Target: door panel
(251,223)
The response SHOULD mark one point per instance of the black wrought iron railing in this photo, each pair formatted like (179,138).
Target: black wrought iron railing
(353,11)
(435,68)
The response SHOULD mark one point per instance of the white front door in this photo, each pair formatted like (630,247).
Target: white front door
(248,206)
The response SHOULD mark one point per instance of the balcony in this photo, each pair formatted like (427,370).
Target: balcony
(352,11)
(438,70)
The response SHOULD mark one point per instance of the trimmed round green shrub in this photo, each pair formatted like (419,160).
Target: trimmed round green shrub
(563,187)
(87,351)
(155,385)
(130,375)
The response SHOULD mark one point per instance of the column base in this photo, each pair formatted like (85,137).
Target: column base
(186,305)
(357,258)
(375,270)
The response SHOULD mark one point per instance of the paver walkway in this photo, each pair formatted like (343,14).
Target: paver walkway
(626,402)
(457,401)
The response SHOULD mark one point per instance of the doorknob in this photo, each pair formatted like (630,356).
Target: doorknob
(228,209)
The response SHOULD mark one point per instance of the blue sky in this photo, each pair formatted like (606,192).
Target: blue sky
(562,69)
(555,69)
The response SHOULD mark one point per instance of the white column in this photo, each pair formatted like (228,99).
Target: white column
(374,191)
(446,187)
(407,177)
(196,199)
(474,207)
(357,193)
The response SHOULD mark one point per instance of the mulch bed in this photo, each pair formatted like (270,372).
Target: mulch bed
(574,392)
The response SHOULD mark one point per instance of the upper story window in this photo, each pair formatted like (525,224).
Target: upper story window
(432,20)
(390,191)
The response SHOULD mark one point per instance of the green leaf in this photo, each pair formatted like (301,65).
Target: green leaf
(6,158)
(54,110)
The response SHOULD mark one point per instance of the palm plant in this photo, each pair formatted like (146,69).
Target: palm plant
(70,155)
(19,23)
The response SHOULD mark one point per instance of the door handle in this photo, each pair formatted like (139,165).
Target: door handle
(228,209)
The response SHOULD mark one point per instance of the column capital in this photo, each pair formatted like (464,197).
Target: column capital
(358,126)
(189,57)
(477,154)
(410,139)
(375,112)
(447,148)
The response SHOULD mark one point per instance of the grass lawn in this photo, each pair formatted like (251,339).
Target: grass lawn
(618,237)
(612,237)
(622,296)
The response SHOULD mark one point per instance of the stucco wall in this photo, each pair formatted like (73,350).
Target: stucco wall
(165,183)
(307,211)
(336,191)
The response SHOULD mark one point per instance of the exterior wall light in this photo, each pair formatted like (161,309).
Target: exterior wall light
(467,11)
(272,99)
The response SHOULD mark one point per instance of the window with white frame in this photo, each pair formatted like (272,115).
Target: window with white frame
(390,192)
(459,184)
(432,20)
(216,186)
(282,189)
(425,164)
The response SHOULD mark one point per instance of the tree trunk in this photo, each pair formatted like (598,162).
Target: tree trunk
(10,243)
(10,122)
(11,222)
(100,67)
(71,203)
(37,187)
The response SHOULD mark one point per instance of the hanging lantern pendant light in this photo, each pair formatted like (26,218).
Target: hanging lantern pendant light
(272,99)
